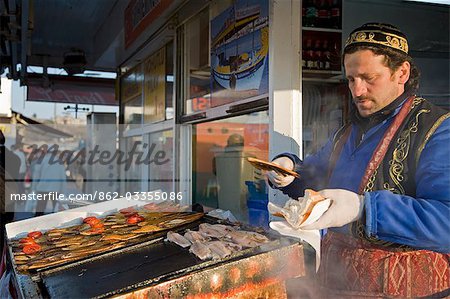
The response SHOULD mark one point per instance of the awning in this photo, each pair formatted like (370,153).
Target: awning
(34,126)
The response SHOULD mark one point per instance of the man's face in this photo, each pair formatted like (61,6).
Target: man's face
(372,84)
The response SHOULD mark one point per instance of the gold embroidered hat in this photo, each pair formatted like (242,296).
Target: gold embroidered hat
(378,35)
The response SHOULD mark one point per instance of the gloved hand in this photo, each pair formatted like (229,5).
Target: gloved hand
(345,208)
(279,180)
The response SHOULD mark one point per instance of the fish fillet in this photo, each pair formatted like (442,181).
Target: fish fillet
(247,239)
(216,230)
(200,250)
(178,239)
(195,236)
(219,249)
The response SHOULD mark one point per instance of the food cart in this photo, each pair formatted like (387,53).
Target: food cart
(152,267)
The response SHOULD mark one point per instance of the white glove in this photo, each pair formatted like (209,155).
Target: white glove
(346,207)
(279,180)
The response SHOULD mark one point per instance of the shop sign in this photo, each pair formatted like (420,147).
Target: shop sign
(155,86)
(139,14)
(40,94)
(240,52)
(74,90)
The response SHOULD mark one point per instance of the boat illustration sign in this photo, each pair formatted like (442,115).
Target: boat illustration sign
(240,50)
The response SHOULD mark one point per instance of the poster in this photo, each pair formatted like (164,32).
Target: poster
(155,87)
(240,52)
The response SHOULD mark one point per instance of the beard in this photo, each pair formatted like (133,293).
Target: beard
(366,105)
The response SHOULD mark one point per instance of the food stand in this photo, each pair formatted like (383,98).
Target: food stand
(152,267)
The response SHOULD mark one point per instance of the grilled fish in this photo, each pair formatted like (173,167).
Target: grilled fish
(178,239)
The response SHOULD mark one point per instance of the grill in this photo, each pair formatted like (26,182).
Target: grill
(156,268)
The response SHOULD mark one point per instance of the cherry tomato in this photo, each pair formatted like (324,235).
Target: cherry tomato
(136,218)
(128,211)
(35,235)
(91,220)
(27,240)
(31,249)
(97,225)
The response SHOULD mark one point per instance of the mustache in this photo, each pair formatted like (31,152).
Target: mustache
(363,98)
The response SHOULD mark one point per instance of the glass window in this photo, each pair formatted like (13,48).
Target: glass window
(197,45)
(222,176)
(155,86)
(132,171)
(158,85)
(131,91)
(132,111)
(228,54)
(160,156)
(169,80)
(324,110)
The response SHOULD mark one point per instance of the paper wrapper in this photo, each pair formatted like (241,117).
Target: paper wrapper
(310,236)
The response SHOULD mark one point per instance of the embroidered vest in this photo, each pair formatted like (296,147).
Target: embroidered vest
(393,167)
(397,171)
(355,267)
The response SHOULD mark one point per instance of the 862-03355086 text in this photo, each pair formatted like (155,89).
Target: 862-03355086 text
(98,196)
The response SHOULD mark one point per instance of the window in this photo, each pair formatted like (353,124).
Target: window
(160,151)
(198,70)
(132,169)
(132,111)
(131,91)
(324,110)
(221,172)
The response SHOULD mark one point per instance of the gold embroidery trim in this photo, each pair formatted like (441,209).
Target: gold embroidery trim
(430,132)
(378,37)
(400,154)
(371,182)
(416,101)
(395,171)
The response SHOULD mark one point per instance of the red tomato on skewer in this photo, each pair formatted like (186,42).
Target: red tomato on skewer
(34,235)
(97,225)
(128,211)
(135,218)
(91,220)
(27,241)
(31,249)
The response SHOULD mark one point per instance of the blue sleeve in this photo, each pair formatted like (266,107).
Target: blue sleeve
(422,222)
(313,172)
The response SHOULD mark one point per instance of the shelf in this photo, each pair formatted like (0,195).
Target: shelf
(322,29)
(321,73)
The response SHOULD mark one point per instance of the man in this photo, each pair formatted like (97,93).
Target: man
(387,173)
(18,151)
(48,176)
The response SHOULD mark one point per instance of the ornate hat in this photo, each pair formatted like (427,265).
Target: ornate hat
(378,35)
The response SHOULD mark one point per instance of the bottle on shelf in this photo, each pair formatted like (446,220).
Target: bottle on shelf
(323,14)
(310,14)
(303,57)
(326,55)
(309,57)
(317,55)
(303,15)
(335,57)
(335,17)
